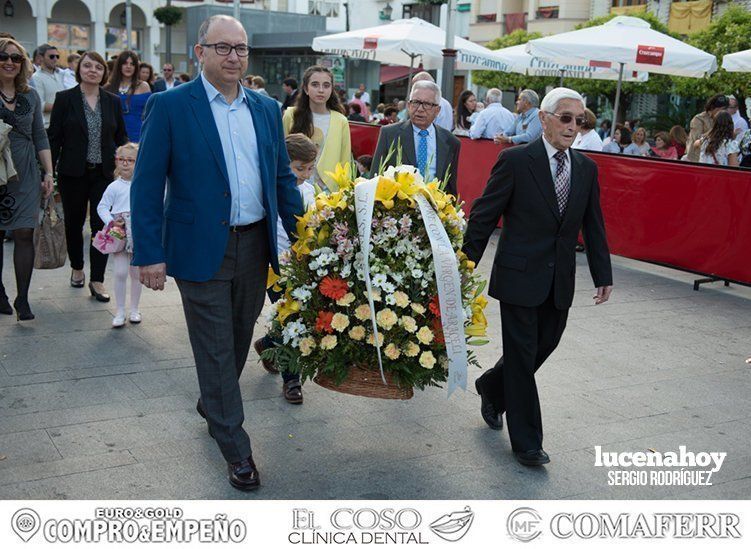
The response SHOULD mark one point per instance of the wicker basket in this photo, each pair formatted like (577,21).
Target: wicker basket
(367,382)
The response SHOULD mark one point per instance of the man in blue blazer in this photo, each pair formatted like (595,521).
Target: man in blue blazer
(219,149)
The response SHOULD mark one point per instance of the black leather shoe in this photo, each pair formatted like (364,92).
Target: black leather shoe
(202,413)
(487,409)
(102,297)
(5,307)
(532,458)
(23,310)
(244,475)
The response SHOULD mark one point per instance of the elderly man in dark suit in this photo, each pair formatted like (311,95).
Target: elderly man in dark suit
(432,149)
(546,192)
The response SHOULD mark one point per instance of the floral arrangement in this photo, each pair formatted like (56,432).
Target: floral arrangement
(323,321)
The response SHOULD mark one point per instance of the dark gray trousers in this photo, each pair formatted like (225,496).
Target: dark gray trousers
(220,315)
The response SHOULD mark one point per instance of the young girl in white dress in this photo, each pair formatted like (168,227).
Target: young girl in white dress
(115,206)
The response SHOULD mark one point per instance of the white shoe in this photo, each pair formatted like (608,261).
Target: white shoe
(119,320)
(135,317)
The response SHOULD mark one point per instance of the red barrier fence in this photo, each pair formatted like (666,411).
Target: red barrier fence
(688,216)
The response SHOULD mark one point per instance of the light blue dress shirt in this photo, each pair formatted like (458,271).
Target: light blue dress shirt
(494,120)
(240,147)
(431,148)
(527,127)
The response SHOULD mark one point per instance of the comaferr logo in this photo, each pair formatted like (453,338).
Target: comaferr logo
(370,42)
(650,55)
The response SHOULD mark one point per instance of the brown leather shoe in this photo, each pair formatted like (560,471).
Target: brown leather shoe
(267,364)
(292,391)
(243,475)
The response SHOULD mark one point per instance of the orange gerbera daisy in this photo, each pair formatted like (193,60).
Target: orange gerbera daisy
(323,322)
(333,287)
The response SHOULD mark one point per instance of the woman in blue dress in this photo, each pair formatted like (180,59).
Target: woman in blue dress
(133,92)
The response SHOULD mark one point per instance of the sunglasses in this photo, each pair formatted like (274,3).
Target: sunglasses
(53,56)
(566,118)
(16,58)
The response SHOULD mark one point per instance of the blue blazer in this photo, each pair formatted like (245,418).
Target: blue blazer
(180,148)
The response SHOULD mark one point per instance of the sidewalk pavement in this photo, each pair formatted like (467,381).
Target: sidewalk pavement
(94,413)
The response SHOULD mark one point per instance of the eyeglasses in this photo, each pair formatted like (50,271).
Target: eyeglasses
(424,104)
(566,118)
(224,49)
(53,56)
(166,70)
(16,58)
(125,160)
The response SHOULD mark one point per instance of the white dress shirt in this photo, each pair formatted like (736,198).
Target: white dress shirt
(551,150)
(445,118)
(740,124)
(431,160)
(590,141)
(493,120)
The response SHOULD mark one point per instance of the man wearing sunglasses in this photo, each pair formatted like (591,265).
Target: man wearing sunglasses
(49,79)
(168,81)
(545,192)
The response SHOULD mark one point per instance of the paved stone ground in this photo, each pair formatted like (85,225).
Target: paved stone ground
(90,412)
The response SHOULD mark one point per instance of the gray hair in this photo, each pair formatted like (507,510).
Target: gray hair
(426,85)
(423,76)
(203,31)
(531,97)
(551,100)
(494,95)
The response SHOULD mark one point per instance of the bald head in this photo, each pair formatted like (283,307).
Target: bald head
(422,76)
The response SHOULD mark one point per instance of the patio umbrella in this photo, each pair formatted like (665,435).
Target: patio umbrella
(628,43)
(737,62)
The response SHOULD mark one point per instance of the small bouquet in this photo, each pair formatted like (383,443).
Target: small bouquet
(111,239)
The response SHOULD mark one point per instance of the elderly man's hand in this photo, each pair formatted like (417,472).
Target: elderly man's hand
(153,276)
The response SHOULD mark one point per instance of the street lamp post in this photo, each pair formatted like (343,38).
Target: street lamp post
(449,53)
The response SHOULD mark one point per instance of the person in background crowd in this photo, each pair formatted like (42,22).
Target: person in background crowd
(702,123)
(85,161)
(390,116)
(445,118)
(663,147)
(495,119)
(378,114)
(604,130)
(739,122)
(133,92)
(621,140)
(36,60)
(69,74)
(678,137)
(355,114)
(258,84)
(21,108)
(48,80)
(364,164)
(168,80)
(464,109)
(745,149)
(146,74)
(403,114)
(289,85)
(364,95)
(183,77)
(588,138)
(718,146)
(432,149)
(363,106)
(319,115)
(639,145)
(527,126)
(248,81)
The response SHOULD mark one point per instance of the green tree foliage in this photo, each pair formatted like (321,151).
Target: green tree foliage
(168,15)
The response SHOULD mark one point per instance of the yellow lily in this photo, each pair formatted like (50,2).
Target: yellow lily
(271,280)
(479,324)
(341,175)
(333,201)
(304,234)
(407,186)
(287,307)
(386,191)
(436,195)
(323,235)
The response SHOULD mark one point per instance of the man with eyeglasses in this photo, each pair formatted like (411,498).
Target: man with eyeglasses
(49,79)
(424,144)
(168,81)
(494,119)
(219,149)
(545,192)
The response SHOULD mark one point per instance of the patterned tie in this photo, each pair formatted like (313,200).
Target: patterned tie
(422,151)
(562,183)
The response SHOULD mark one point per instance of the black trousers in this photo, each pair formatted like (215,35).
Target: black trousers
(220,314)
(530,335)
(81,195)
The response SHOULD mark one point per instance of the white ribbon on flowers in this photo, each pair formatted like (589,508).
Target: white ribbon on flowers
(448,282)
(365,192)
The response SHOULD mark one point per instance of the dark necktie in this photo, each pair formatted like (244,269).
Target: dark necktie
(562,183)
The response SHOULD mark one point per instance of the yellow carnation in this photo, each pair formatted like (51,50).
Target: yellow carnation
(371,340)
(409,324)
(307,345)
(363,312)
(339,322)
(425,335)
(412,349)
(392,351)
(347,300)
(357,333)
(419,309)
(402,299)
(328,342)
(386,319)
(427,360)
